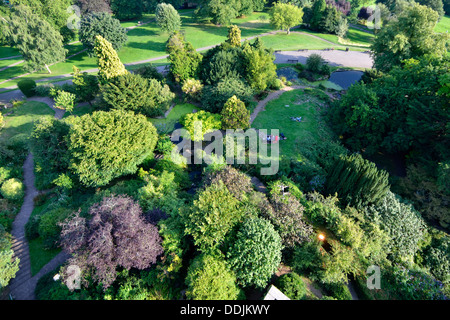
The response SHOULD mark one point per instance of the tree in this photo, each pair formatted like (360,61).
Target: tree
(357,181)
(256,253)
(65,100)
(214,97)
(101,24)
(212,216)
(86,85)
(235,115)
(318,10)
(234,36)
(209,278)
(260,68)
(167,17)
(410,36)
(116,235)
(108,61)
(402,223)
(219,12)
(135,93)
(285,16)
(127,9)
(90,6)
(50,150)
(39,44)
(107,145)
(184,59)
(436,5)
(330,19)
(9,265)
(221,63)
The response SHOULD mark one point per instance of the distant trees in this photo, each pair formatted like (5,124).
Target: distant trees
(127,9)
(167,17)
(115,235)
(285,16)
(107,145)
(410,36)
(38,42)
(90,6)
(101,24)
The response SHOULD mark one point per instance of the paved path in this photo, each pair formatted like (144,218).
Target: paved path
(22,287)
(354,59)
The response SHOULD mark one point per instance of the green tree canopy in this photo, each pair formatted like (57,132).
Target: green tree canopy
(101,24)
(167,17)
(411,35)
(108,61)
(38,42)
(285,16)
(107,145)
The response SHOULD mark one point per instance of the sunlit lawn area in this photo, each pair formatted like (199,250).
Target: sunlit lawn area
(278,113)
(443,25)
(22,119)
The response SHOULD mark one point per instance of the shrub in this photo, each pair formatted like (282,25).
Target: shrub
(149,72)
(131,92)
(65,100)
(256,253)
(86,85)
(200,123)
(49,228)
(192,88)
(32,227)
(235,115)
(13,189)
(27,86)
(127,9)
(314,63)
(209,278)
(214,97)
(5,173)
(339,291)
(292,286)
(43,90)
(107,145)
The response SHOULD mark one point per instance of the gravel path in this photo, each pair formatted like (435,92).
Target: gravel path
(22,287)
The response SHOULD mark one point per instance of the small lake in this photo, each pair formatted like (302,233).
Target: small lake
(345,79)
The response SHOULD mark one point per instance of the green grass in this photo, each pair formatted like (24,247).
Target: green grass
(277,116)
(295,41)
(7,51)
(359,37)
(167,124)
(22,119)
(443,25)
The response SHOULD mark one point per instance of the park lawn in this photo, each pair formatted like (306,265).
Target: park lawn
(359,37)
(22,119)
(277,115)
(148,42)
(7,62)
(295,41)
(168,124)
(39,256)
(443,25)
(7,51)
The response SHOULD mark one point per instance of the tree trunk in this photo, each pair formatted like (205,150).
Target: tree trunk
(48,69)
(289,31)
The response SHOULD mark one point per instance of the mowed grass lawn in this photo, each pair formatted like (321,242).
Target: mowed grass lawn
(443,25)
(296,103)
(168,124)
(22,119)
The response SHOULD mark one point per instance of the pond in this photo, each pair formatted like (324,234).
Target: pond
(345,79)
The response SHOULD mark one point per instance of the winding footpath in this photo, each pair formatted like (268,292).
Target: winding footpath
(23,285)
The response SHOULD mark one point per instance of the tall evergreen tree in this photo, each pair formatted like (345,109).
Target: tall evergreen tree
(108,61)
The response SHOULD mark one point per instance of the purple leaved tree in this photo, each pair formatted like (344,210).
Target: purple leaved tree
(117,235)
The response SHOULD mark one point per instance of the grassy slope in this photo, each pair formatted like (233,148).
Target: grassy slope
(167,124)
(443,25)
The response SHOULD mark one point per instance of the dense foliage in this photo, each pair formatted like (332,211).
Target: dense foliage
(115,235)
